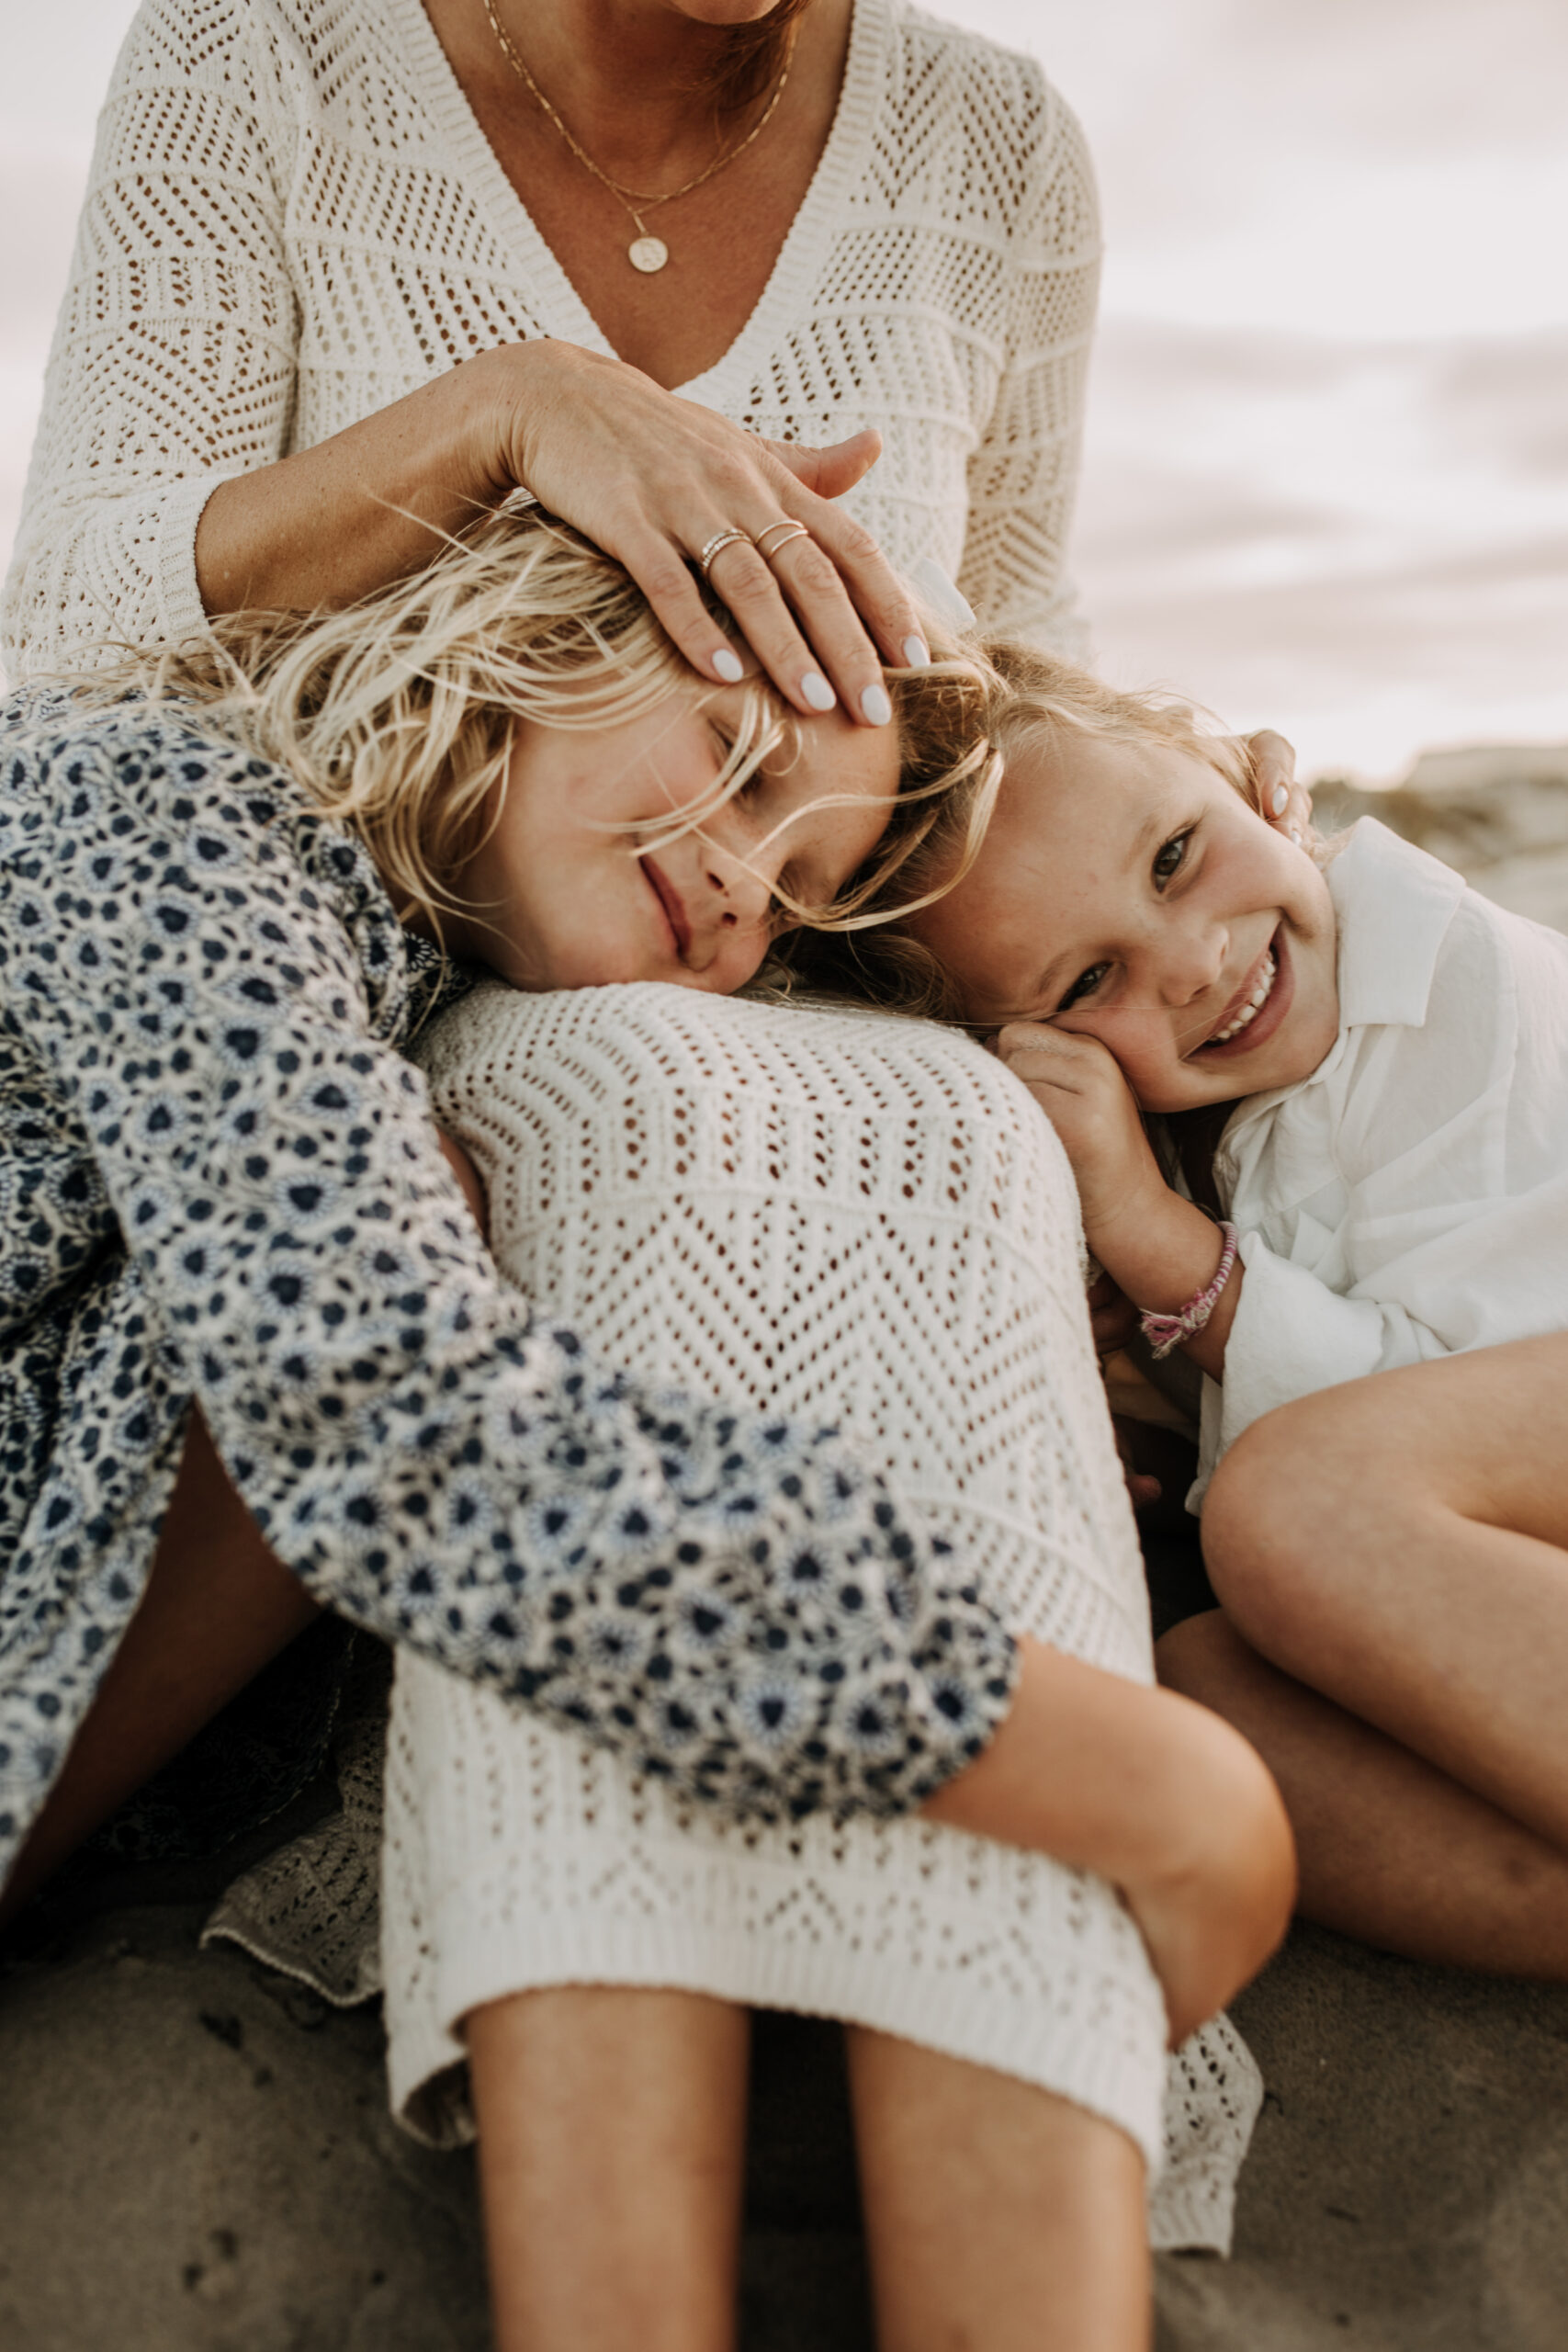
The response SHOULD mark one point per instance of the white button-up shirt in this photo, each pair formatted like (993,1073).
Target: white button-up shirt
(1410,1198)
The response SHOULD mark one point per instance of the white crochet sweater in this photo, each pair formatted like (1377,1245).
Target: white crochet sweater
(293,218)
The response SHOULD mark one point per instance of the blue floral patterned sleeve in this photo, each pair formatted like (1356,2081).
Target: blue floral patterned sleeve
(220,1182)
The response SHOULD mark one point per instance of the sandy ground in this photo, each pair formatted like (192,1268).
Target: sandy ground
(195,2156)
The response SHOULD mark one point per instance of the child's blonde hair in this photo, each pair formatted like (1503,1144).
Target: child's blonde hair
(1042,700)
(396,714)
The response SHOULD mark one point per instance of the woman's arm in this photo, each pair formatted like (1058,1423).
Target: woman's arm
(1154,1794)
(647,477)
(160,491)
(1023,477)
(736,1603)
(174,359)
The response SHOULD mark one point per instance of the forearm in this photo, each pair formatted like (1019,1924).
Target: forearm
(1162,1257)
(1103,1773)
(336,522)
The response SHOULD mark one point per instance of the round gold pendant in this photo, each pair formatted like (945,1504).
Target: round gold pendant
(647,254)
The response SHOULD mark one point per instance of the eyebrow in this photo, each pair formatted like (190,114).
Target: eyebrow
(1151,831)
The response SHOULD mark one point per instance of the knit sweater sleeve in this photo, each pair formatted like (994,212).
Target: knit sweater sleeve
(1023,475)
(173,366)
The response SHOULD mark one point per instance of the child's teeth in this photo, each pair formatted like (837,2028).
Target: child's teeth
(1250,1009)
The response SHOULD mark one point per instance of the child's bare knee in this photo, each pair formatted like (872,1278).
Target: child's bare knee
(1263,1521)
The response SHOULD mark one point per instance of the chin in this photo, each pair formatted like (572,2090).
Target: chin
(725,13)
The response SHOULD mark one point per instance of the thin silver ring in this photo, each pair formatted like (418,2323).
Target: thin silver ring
(791,529)
(719,541)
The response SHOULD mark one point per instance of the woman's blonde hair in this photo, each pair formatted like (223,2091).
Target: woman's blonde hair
(1042,701)
(396,714)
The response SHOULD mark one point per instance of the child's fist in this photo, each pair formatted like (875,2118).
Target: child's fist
(1080,1088)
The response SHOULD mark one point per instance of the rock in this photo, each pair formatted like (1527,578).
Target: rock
(1498,813)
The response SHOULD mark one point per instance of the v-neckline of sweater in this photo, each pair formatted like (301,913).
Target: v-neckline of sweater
(561,308)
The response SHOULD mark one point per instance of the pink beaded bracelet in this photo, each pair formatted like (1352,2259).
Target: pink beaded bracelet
(1164,1332)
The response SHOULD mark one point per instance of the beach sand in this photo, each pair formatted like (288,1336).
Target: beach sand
(195,2156)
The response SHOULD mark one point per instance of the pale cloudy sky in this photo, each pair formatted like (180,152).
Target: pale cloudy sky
(1326,484)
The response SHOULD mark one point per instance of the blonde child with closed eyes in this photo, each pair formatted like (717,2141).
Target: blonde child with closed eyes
(1362,1066)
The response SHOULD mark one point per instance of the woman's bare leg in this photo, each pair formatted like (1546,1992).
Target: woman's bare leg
(217,1608)
(612,2125)
(1390,1849)
(997,2215)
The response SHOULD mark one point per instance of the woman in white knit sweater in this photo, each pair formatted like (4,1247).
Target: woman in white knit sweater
(349,267)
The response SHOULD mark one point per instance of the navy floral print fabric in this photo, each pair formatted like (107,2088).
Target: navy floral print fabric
(219,1181)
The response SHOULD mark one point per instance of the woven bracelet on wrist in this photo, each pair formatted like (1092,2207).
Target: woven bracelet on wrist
(1165,1332)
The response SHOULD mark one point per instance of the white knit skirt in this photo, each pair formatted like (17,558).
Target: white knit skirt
(848,1220)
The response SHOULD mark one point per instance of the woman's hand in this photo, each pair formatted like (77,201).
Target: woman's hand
(652,479)
(1279,799)
(649,478)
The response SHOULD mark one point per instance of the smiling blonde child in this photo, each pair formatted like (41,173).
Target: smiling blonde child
(1362,1068)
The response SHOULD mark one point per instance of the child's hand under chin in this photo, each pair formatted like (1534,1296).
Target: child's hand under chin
(1079,1086)
(1158,1248)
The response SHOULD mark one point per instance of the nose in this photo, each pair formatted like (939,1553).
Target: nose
(742,885)
(1191,960)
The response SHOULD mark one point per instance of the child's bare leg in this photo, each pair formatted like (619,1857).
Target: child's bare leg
(217,1607)
(1398,1545)
(1390,1849)
(997,2215)
(611,2144)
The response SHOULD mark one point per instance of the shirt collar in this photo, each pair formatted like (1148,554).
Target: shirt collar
(1394,905)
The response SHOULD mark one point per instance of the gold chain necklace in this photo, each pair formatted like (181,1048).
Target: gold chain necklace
(645,252)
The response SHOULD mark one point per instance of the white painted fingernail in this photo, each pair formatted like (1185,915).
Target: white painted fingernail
(727,665)
(875,705)
(815,689)
(916,653)
(1296,835)
(1278,801)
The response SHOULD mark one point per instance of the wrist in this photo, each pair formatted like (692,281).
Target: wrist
(524,387)
(499,392)
(1159,1252)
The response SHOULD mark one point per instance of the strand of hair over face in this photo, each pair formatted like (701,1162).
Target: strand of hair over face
(397,715)
(1037,698)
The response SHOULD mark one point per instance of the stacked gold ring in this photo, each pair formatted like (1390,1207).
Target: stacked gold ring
(791,529)
(719,541)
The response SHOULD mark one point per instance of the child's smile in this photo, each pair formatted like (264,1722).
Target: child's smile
(1127,892)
